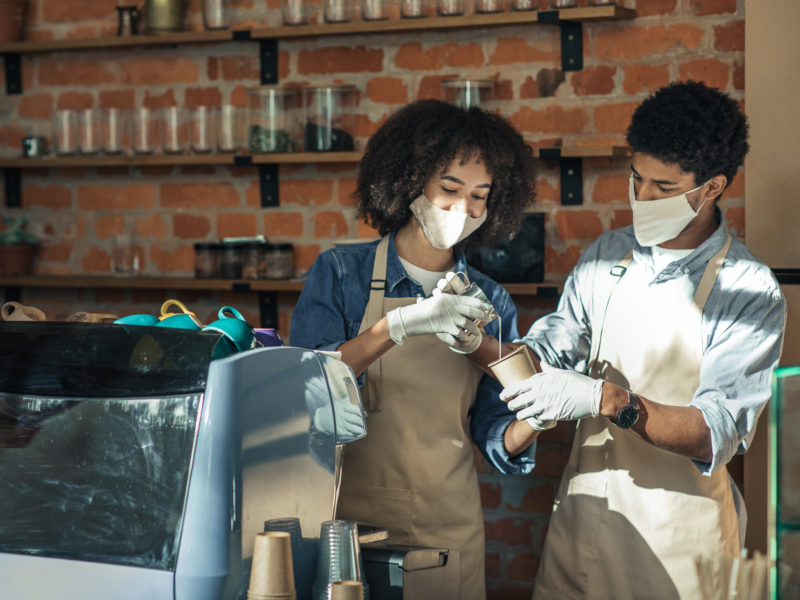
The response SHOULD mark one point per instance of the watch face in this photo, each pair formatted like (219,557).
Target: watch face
(627,417)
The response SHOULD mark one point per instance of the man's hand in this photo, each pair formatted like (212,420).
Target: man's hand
(554,395)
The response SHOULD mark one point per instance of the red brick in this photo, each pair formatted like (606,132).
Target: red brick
(578,224)
(238,96)
(735,218)
(644,78)
(117,99)
(610,188)
(365,231)
(632,42)
(163,71)
(166,98)
(36,106)
(711,71)
(614,117)
(550,119)
(130,196)
(74,100)
(703,8)
(414,57)
(233,68)
(523,567)
(236,225)
(430,86)
(49,196)
(181,259)
(655,7)
(508,593)
(729,37)
(74,10)
(561,263)
(329,224)
(621,218)
(491,495)
(188,226)
(108,225)
(346,189)
(387,90)
(192,196)
(518,49)
(82,33)
(307,192)
(74,73)
(283,224)
(494,566)
(193,97)
(96,260)
(735,187)
(594,80)
(57,253)
(151,226)
(547,192)
(551,460)
(537,499)
(738,76)
(304,257)
(342,59)
(511,532)
(503,90)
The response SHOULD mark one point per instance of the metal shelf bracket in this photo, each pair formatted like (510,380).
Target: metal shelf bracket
(268,57)
(13,182)
(13,69)
(268,182)
(571,175)
(268,309)
(571,40)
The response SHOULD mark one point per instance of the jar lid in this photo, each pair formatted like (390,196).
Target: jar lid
(284,246)
(255,244)
(235,245)
(205,245)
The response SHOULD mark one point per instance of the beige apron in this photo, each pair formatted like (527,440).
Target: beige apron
(415,473)
(630,518)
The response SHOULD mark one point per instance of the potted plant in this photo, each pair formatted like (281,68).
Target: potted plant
(17,248)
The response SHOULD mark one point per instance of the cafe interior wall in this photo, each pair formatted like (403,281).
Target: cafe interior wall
(76,211)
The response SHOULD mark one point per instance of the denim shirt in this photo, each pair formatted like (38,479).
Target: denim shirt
(331,307)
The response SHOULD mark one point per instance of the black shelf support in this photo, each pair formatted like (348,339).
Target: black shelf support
(268,182)
(268,309)
(571,40)
(268,57)
(13,182)
(13,69)
(13,293)
(571,175)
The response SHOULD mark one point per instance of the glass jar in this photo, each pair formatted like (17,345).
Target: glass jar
(467,92)
(253,260)
(330,118)
(272,120)
(230,266)
(205,260)
(279,260)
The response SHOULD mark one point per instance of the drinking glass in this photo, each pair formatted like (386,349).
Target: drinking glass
(174,130)
(229,125)
(65,131)
(204,129)
(89,131)
(146,138)
(115,132)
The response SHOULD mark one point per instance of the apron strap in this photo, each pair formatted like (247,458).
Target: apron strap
(617,271)
(710,275)
(377,285)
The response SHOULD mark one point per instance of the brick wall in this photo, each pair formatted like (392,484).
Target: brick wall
(76,211)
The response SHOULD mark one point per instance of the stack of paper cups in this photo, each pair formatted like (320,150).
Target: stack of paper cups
(272,572)
(347,590)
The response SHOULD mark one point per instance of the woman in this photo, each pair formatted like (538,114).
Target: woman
(435,180)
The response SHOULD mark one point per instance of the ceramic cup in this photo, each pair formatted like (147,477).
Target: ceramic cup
(514,366)
(234,328)
(141,319)
(185,319)
(268,337)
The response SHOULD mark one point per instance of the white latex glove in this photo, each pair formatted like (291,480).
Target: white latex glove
(554,395)
(452,283)
(445,314)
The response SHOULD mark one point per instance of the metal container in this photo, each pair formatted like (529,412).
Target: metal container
(164,16)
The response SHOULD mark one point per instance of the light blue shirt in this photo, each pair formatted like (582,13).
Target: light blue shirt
(742,329)
(332,304)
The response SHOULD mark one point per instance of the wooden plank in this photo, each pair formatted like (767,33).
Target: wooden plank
(306,157)
(596,13)
(118,161)
(164,39)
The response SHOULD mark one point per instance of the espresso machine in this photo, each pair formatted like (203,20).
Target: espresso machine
(133,466)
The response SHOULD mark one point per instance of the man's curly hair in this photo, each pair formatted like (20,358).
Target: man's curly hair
(698,128)
(421,140)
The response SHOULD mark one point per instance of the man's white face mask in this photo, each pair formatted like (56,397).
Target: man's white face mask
(657,221)
(444,228)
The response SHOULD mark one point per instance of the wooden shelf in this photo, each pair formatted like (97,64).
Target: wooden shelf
(591,13)
(189,283)
(260,159)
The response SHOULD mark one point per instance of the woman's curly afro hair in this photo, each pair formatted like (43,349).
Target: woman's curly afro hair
(696,127)
(421,140)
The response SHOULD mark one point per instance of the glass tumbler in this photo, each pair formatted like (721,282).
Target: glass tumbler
(467,92)
(338,11)
(294,12)
(450,8)
(339,558)
(146,130)
(563,3)
(229,123)
(115,137)
(330,118)
(204,129)
(215,14)
(376,10)
(490,6)
(89,132)
(414,9)
(174,130)
(272,119)
(65,131)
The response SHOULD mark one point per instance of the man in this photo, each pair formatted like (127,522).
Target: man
(662,348)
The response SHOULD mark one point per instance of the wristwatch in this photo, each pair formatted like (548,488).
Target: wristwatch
(628,414)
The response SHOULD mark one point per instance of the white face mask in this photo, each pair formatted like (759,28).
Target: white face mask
(444,228)
(657,221)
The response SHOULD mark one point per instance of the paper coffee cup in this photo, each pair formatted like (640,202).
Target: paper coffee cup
(347,590)
(272,572)
(514,366)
